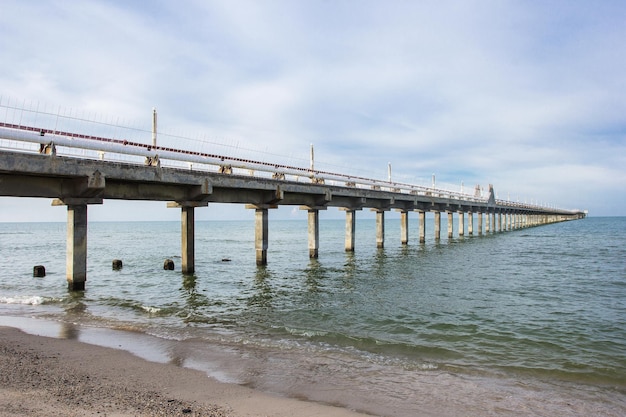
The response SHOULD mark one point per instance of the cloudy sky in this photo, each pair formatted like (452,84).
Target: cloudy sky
(529,96)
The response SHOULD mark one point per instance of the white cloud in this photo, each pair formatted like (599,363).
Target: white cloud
(528,96)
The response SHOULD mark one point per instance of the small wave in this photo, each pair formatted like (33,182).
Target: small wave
(150,309)
(306,332)
(24,300)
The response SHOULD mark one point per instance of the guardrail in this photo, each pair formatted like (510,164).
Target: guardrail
(97,147)
(210,162)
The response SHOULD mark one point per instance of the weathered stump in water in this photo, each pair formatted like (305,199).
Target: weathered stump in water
(39,271)
(168,265)
(117,264)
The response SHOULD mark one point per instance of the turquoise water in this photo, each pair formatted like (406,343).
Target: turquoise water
(544,305)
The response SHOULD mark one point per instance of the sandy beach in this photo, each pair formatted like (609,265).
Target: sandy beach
(42,376)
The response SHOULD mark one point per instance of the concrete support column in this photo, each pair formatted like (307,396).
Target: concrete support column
(404,227)
(437,225)
(350,229)
(480,223)
(380,228)
(499,222)
(314,232)
(450,225)
(76,253)
(188,239)
(487,223)
(470,223)
(188,227)
(461,223)
(261,229)
(493,222)
(422,226)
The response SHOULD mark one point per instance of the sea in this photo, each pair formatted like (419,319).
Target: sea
(528,322)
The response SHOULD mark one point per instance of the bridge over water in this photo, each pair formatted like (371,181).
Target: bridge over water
(77,170)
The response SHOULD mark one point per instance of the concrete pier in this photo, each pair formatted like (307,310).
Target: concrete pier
(188,232)
(487,223)
(76,240)
(77,182)
(261,240)
(188,228)
(76,256)
(422,226)
(350,229)
(404,227)
(314,232)
(380,228)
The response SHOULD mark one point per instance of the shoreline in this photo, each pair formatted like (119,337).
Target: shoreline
(52,369)
(42,375)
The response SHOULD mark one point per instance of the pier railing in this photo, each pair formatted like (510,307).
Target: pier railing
(30,129)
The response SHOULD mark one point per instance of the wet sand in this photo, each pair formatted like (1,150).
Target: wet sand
(49,376)
(60,377)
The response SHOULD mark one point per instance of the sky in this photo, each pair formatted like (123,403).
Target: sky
(528,96)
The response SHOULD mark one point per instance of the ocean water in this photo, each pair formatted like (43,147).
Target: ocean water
(525,322)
